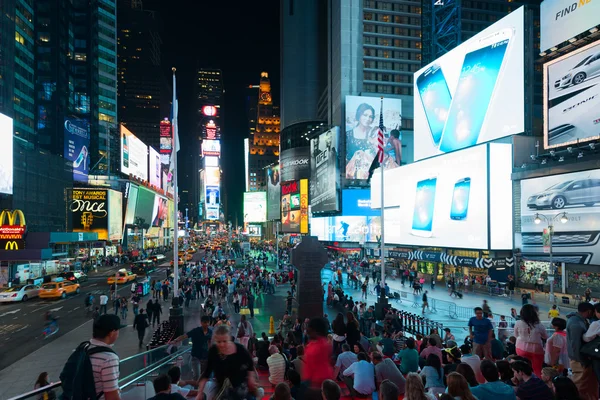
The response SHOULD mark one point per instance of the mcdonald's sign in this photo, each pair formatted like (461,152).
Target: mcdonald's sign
(12,230)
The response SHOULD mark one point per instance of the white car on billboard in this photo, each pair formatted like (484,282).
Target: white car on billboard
(567,193)
(585,69)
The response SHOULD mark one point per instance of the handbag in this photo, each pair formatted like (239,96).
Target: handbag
(591,349)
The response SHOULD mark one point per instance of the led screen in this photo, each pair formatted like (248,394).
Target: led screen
(346,228)
(212,176)
(134,155)
(254,230)
(144,208)
(561,20)
(132,195)
(255,207)
(472,94)
(115,215)
(89,211)
(155,167)
(166,136)
(212,196)
(211,161)
(325,172)
(572,97)
(159,211)
(212,213)
(6,154)
(273,193)
(211,148)
(357,202)
(294,164)
(294,207)
(77,143)
(362,125)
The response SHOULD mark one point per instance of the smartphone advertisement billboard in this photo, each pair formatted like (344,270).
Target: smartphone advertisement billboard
(273,193)
(325,172)
(77,143)
(134,155)
(255,207)
(561,20)
(474,93)
(294,207)
(572,97)
(155,167)
(6,154)
(443,201)
(362,124)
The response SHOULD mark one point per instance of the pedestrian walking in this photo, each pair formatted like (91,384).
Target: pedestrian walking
(425,302)
(156,313)
(140,323)
(103,303)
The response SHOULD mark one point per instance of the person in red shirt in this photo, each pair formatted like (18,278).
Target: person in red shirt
(317,355)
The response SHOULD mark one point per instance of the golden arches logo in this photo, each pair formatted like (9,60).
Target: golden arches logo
(11,245)
(12,217)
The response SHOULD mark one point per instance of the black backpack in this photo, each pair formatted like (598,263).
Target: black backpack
(77,376)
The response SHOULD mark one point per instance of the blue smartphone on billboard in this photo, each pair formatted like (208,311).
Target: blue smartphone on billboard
(474,91)
(435,97)
(424,208)
(460,199)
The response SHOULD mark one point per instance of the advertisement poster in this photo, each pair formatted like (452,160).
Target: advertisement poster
(573,198)
(159,211)
(155,167)
(132,195)
(325,172)
(89,211)
(255,207)
(211,161)
(115,215)
(561,20)
(357,202)
(212,213)
(572,97)
(474,93)
(77,142)
(166,137)
(254,230)
(212,196)
(134,155)
(212,176)
(273,193)
(211,148)
(294,164)
(6,154)
(362,125)
(294,207)
(144,208)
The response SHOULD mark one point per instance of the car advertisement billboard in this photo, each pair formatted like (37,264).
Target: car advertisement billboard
(571,204)
(273,193)
(325,172)
(572,97)
(561,20)
(166,136)
(362,125)
(6,154)
(357,202)
(212,196)
(211,148)
(294,164)
(474,93)
(115,215)
(255,207)
(443,201)
(154,171)
(89,209)
(134,155)
(77,143)
(294,207)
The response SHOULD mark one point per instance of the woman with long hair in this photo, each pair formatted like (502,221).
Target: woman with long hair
(459,388)
(42,381)
(465,370)
(530,333)
(415,389)
(339,334)
(434,375)
(565,389)
(352,329)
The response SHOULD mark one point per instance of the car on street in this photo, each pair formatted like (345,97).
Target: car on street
(19,293)
(74,276)
(121,277)
(58,290)
(572,192)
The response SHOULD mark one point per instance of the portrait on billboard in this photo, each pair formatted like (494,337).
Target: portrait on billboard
(159,213)
(273,193)
(362,125)
(324,176)
(572,98)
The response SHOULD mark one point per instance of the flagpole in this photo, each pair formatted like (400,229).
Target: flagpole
(382,241)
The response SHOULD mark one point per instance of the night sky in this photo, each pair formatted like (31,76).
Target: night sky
(240,38)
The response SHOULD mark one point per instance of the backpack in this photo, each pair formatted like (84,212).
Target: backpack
(77,376)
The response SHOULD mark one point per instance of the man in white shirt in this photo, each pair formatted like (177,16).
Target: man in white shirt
(276,363)
(103,303)
(344,360)
(360,377)
(176,383)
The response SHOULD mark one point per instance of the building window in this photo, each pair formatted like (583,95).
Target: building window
(368,16)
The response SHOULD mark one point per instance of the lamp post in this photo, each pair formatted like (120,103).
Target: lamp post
(550,221)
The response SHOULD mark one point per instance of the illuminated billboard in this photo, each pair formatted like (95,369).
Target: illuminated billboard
(166,136)
(447,201)
(211,161)
(89,209)
(273,193)
(561,20)
(294,164)
(212,176)
(255,207)
(211,148)
(357,202)
(294,207)
(255,230)
(134,155)
(212,213)
(362,125)
(209,111)
(213,198)
(115,215)
(154,173)
(211,131)
(325,172)
(159,211)
(572,97)
(474,93)
(76,149)
(6,154)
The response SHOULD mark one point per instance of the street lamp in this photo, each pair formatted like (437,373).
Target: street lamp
(550,221)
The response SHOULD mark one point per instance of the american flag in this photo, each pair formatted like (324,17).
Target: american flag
(380,138)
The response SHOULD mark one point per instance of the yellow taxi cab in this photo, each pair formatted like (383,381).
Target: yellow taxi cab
(180,262)
(192,250)
(56,290)
(123,276)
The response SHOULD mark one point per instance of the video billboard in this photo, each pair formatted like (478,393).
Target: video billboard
(76,149)
(443,201)
(362,125)
(358,229)
(572,97)
(575,196)
(166,136)
(115,215)
(134,155)
(144,208)
(211,161)
(155,167)
(255,230)
(159,211)
(273,193)
(357,202)
(561,20)
(213,198)
(6,154)
(132,194)
(212,176)
(255,207)
(474,93)
(212,213)
(89,210)
(294,164)
(211,148)
(325,172)
(294,207)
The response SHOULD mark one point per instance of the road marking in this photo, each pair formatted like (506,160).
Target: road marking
(93,284)
(55,309)
(10,312)
(76,308)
